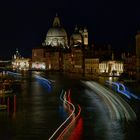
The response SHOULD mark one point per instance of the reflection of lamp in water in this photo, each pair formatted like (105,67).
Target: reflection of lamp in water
(110,78)
(14,113)
(14,103)
(8,105)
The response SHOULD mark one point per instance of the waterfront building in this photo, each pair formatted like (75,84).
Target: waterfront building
(130,65)
(77,59)
(19,62)
(5,64)
(91,65)
(111,68)
(56,35)
(38,58)
(60,53)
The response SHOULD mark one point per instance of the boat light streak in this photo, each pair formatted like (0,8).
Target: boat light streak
(41,78)
(78,130)
(44,81)
(14,73)
(70,124)
(123,90)
(68,118)
(119,107)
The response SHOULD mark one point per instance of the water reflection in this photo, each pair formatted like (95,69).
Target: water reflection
(44,82)
(33,114)
(39,112)
(97,120)
(8,103)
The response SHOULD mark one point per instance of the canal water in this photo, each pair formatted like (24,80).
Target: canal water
(35,111)
(36,115)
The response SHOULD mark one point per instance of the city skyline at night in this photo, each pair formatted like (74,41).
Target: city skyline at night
(24,25)
(69,70)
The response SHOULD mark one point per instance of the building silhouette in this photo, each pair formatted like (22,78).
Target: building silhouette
(73,54)
(60,53)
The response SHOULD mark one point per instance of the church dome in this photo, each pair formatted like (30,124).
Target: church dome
(56,35)
(56,32)
(76,37)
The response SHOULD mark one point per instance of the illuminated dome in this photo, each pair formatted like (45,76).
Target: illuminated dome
(56,36)
(57,32)
(76,38)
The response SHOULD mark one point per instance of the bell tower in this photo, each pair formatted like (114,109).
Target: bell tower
(85,37)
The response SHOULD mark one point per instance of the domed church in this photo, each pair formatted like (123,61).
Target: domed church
(60,53)
(56,35)
(76,38)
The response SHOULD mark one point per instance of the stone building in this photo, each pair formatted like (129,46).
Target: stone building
(39,58)
(72,54)
(111,68)
(57,53)
(19,62)
(91,65)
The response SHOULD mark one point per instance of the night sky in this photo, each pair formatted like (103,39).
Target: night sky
(24,23)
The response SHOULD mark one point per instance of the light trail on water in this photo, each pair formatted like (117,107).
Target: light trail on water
(62,95)
(118,108)
(78,130)
(64,132)
(44,81)
(122,89)
(72,118)
(14,73)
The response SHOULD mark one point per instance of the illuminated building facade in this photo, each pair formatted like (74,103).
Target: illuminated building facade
(5,64)
(57,54)
(54,60)
(112,68)
(39,58)
(130,65)
(20,63)
(56,35)
(91,65)
(60,53)
(79,37)
(68,62)
(77,59)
